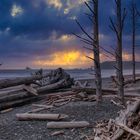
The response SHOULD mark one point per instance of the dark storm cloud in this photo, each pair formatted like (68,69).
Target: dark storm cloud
(36,22)
(38,29)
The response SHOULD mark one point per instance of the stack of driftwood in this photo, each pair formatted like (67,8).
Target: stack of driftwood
(60,121)
(32,88)
(126,126)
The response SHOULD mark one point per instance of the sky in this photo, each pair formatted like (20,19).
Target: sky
(39,33)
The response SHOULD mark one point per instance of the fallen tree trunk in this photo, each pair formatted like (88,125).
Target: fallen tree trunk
(55,76)
(30,90)
(15,96)
(33,116)
(74,124)
(19,94)
(20,102)
(90,90)
(57,85)
(19,81)
(127,79)
(23,98)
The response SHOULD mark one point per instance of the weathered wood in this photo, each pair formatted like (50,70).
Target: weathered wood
(36,110)
(57,85)
(33,116)
(128,129)
(122,119)
(56,133)
(20,102)
(74,124)
(17,98)
(55,75)
(14,96)
(23,97)
(19,81)
(43,106)
(93,90)
(30,90)
(6,110)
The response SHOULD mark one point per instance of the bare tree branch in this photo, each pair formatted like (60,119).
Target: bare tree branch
(84,30)
(89,8)
(113,27)
(123,17)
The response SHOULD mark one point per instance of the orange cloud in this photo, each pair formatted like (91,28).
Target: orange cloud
(72,59)
(127,56)
(65,59)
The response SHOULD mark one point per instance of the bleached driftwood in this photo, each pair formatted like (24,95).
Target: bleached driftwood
(19,81)
(33,116)
(30,90)
(90,90)
(43,106)
(23,96)
(124,127)
(74,124)
(56,133)
(122,119)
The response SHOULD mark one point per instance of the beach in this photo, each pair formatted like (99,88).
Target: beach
(12,129)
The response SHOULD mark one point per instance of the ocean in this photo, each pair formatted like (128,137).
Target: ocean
(75,73)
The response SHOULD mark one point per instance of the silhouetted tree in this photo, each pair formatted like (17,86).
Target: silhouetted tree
(118,29)
(134,18)
(93,40)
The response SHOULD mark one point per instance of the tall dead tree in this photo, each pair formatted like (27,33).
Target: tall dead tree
(92,40)
(118,29)
(134,17)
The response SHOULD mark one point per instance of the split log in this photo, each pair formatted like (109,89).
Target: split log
(74,124)
(33,116)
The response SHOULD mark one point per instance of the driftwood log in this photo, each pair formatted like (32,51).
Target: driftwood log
(127,79)
(122,119)
(33,116)
(74,124)
(53,76)
(90,90)
(19,81)
(126,126)
(10,99)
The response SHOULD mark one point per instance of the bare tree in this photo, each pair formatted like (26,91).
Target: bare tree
(118,29)
(92,40)
(134,17)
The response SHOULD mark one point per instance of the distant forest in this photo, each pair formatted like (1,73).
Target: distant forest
(126,65)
